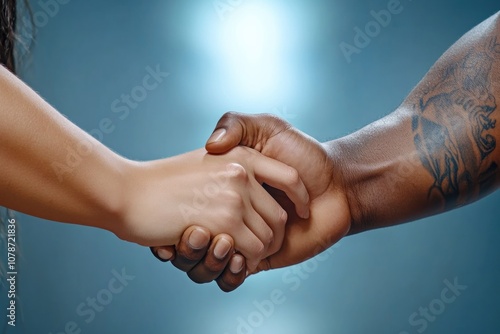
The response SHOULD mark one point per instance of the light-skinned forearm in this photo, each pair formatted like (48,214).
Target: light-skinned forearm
(49,167)
(437,151)
(53,170)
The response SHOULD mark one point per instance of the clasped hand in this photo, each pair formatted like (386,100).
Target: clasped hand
(221,193)
(304,235)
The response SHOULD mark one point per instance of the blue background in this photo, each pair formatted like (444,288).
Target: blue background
(271,56)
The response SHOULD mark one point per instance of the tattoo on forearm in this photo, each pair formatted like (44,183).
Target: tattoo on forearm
(453,129)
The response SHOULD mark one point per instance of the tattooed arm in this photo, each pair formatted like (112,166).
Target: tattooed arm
(437,151)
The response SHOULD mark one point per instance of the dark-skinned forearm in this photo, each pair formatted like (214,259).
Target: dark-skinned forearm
(438,150)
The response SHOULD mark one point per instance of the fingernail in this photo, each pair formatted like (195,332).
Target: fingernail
(164,254)
(222,248)
(236,264)
(197,239)
(306,214)
(216,136)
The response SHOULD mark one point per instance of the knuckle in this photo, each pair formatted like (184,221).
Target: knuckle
(213,267)
(236,172)
(197,278)
(187,255)
(259,250)
(269,239)
(292,176)
(229,283)
(282,217)
(275,243)
(229,115)
(184,264)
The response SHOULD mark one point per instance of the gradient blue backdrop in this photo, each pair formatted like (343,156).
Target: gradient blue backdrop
(91,52)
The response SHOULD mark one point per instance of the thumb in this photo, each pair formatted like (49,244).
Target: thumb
(228,133)
(235,129)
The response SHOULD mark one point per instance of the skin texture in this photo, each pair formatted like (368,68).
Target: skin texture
(221,193)
(54,170)
(304,238)
(436,152)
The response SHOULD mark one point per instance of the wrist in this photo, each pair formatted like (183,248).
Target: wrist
(118,199)
(148,212)
(343,181)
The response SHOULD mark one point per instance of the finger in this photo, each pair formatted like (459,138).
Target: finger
(249,245)
(261,228)
(235,129)
(234,274)
(285,178)
(271,213)
(227,134)
(192,248)
(251,234)
(164,253)
(216,259)
(306,239)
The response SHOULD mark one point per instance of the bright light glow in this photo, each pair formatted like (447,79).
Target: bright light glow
(251,46)
(255,58)
(252,34)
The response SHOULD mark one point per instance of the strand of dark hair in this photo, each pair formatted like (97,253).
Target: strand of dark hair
(8,17)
